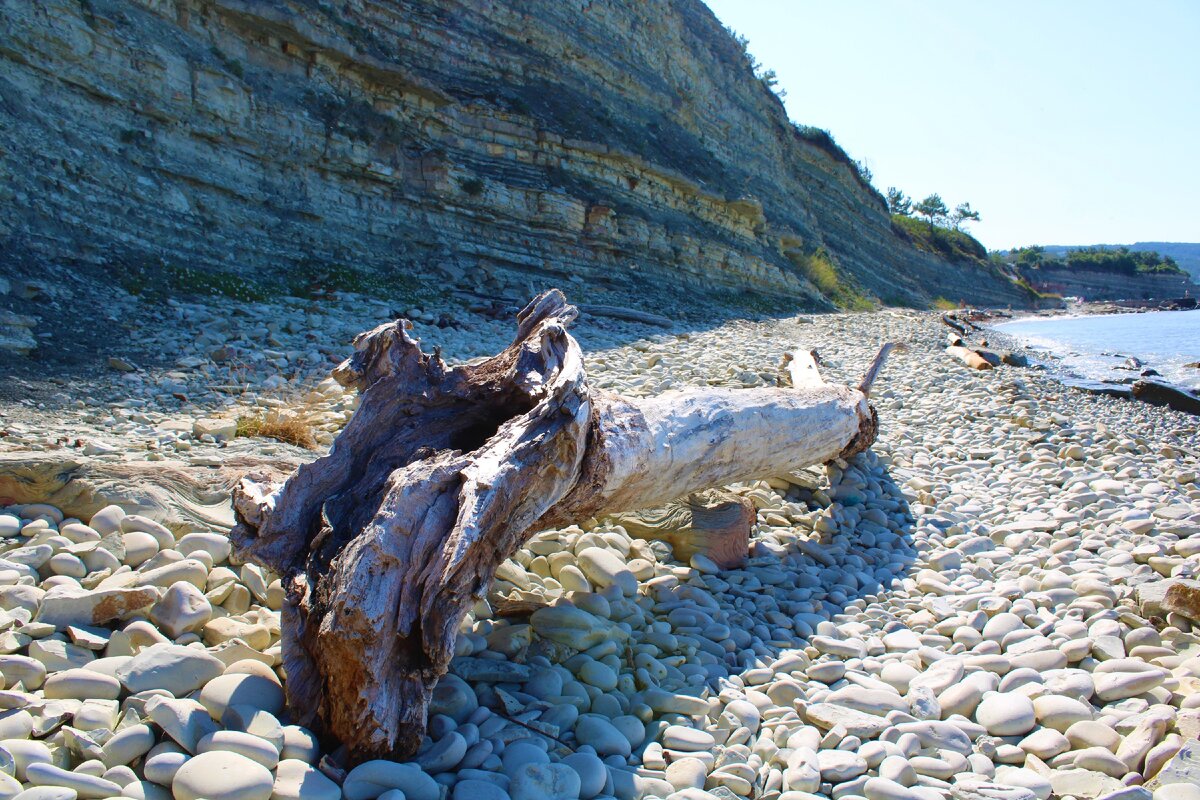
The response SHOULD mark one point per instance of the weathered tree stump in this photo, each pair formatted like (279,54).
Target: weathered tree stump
(442,473)
(713,523)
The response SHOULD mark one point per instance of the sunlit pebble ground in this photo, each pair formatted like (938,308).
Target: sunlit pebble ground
(951,614)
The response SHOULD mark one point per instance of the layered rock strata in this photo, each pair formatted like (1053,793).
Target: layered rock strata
(619,143)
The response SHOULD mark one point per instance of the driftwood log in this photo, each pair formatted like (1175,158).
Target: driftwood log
(182,496)
(442,473)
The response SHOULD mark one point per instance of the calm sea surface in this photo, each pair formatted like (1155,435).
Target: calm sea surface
(1092,346)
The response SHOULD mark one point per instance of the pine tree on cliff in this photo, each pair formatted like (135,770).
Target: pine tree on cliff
(933,208)
(898,202)
(963,213)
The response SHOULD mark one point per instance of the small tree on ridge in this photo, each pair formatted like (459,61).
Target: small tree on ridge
(933,208)
(898,202)
(963,213)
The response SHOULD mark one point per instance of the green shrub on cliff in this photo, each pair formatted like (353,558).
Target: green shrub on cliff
(946,242)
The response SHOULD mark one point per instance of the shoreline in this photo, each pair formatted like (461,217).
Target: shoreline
(1142,375)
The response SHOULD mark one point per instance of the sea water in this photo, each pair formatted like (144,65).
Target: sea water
(1096,346)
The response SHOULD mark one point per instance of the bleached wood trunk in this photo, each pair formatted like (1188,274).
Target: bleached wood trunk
(443,473)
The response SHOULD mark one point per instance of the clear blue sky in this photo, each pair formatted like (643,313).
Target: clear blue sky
(1060,121)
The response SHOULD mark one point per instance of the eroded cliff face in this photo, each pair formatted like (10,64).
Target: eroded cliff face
(620,143)
(1095,285)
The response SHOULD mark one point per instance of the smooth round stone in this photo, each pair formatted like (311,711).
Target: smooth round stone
(592,773)
(162,762)
(10,526)
(826,672)
(1111,686)
(47,793)
(1001,625)
(145,790)
(255,721)
(603,568)
(241,689)
(26,752)
(297,780)
(1025,779)
(177,669)
(68,565)
(472,789)
(216,545)
(22,669)
(454,698)
(222,776)
(182,609)
(544,782)
(86,786)
(372,778)
(161,533)
(244,744)
(1006,714)
(1060,713)
(746,713)
(961,698)
(139,548)
(17,724)
(445,754)
(632,728)
(299,744)
(687,772)
(1100,759)
(107,520)
(520,753)
(573,579)
(602,735)
(1045,743)
(1089,733)
(598,674)
(838,766)
(688,740)
(81,684)
(127,744)
(896,768)
(253,666)
(1178,791)
(884,789)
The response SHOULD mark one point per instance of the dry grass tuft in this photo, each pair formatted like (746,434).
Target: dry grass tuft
(290,429)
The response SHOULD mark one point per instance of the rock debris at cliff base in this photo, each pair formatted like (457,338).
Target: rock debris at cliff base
(976,608)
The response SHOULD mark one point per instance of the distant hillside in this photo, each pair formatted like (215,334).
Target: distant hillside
(1104,272)
(1186,255)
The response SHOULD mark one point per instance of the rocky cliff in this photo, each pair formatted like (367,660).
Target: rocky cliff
(1097,285)
(619,143)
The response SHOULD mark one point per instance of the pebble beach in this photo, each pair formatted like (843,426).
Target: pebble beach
(973,609)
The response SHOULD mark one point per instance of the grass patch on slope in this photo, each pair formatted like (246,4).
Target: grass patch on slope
(823,273)
(272,425)
(949,244)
